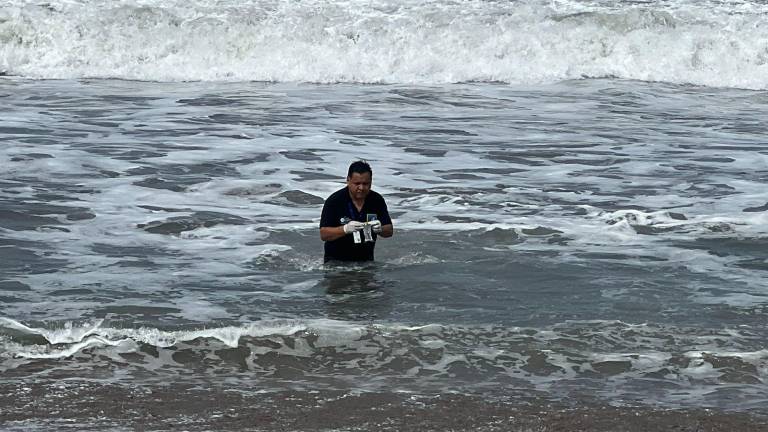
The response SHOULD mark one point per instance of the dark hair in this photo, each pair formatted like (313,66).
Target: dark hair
(360,167)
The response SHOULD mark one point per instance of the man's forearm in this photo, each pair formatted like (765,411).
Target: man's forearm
(387,230)
(331,233)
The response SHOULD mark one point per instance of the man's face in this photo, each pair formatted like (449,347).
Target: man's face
(359,185)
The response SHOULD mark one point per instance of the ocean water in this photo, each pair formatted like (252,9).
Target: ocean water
(578,192)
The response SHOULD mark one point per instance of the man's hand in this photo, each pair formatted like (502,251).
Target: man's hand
(353,226)
(375,226)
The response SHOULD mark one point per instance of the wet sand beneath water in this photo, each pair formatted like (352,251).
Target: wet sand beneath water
(71,405)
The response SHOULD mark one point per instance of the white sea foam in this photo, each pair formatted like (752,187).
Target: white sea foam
(708,43)
(68,350)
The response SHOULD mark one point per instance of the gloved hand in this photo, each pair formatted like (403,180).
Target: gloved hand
(375,226)
(353,226)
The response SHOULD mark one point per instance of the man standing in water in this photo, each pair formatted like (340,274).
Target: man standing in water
(353,217)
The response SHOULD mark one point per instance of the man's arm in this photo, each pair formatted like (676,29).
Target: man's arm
(387,230)
(331,233)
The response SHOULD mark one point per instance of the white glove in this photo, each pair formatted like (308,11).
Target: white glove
(353,226)
(375,226)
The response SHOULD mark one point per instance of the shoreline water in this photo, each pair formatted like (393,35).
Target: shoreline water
(99,406)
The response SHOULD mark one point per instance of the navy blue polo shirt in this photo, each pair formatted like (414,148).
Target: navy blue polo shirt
(339,207)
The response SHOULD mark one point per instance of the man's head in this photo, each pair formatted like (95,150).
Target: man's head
(359,177)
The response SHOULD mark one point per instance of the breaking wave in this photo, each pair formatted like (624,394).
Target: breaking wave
(386,41)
